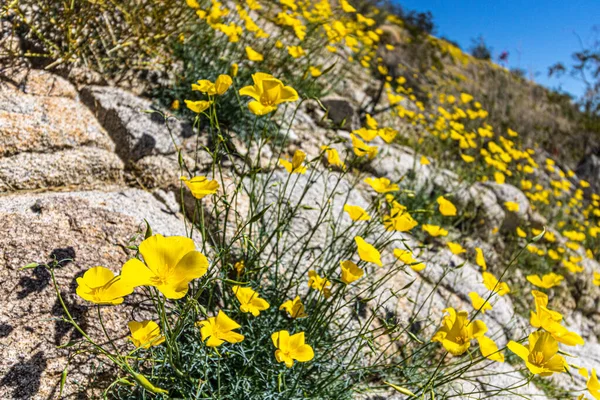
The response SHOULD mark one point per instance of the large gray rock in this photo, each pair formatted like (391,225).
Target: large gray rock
(589,170)
(45,120)
(135,132)
(89,228)
(85,167)
(508,193)
(341,112)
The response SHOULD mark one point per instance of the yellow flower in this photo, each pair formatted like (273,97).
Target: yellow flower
(267,92)
(465,98)
(549,320)
(521,233)
(455,248)
(434,230)
(596,280)
(399,219)
(295,51)
(333,157)
(170,264)
(145,334)
(499,178)
(547,281)
(201,186)
(371,122)
(407,258)
(295,167)
(315,72)
(467,159)
(425,161)
(447,209)
(511,206)
(540,356)
(318,283)
(491,283)
(479,303)
(356,213)
(220,329)
(367,252)
(347,7)
(387,134)
(350,271)
(175,104)
(294,308)
(234,69)
(100,286)
(290,348)
(382,185)
(361,149)
(489,349)
(366,134)
(218,88)
(480,259)
(239,266)
(456,332)
(592,384)
(249,300)
(197,106)
(253,55)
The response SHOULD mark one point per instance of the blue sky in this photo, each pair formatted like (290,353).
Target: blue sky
(536,33)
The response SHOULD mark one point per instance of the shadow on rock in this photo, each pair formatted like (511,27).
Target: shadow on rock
(25,376)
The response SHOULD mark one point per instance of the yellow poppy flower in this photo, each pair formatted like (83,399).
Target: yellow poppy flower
(480,259)
(267,92)
(406,257)
(455,248)
(489,349)
(366,134)
(296,51)
(382,185)
(592,384)
(547,281)
(425,161)
(549,320)
(540,356)
(434,230)
(521,233)
(457,332)
(220,329)
(465,98)
(356,213)
(596,280)
(479,303)
(290,348)
(145,334)
(201,186)
(491,283)
(315,72)
(387,134)
(234,69)
(467,158)
(100,286)
(361,149)
(294,308)
(333,157)
(197,106)
(220,86)
(350,272)
(399,219)
(295,167)
(446,207)
(249,300)
(318,283)
(253,55)
(499,178)
(367,252)
(511,206)
(239,266)
(170,264)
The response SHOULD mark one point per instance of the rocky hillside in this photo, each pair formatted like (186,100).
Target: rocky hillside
(85,166)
